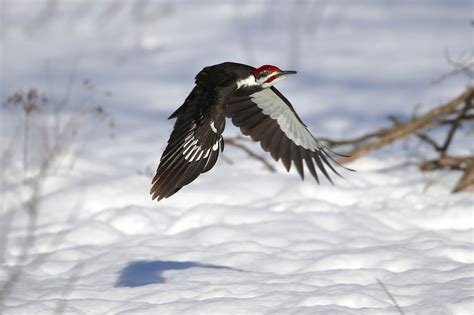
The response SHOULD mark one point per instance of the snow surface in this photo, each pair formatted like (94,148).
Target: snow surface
(239,240)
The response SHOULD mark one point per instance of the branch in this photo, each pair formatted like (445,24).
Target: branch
(376,134)
(234,142)
(404,130)
(382,132)
(455,126)
(466,183)
(448,162)
(420,135)
(463,65)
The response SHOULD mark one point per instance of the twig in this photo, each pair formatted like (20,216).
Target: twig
(455,126)
(356,140)
(465,66)
(61,306)
(226,159)
(31,207)
(234,142)
(429,140)
(390,296)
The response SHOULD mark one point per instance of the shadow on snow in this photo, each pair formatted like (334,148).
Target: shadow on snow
(138,273)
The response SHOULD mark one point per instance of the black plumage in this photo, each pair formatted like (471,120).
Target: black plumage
(246,95)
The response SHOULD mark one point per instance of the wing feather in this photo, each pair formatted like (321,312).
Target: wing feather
(296,157)
(269,118)
(195,142)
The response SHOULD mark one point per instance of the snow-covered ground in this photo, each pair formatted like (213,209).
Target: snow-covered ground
(239,240)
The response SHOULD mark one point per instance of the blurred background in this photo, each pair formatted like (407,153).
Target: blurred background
(132,64)
(349,53)
(86,87)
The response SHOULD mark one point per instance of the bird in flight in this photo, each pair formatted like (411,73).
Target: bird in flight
(246,95)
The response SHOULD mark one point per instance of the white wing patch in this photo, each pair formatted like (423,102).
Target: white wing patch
(194,152)
(273,106)
(213,128)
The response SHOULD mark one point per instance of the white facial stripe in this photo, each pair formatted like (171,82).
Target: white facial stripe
(249,81)
(269,84)
(273,106)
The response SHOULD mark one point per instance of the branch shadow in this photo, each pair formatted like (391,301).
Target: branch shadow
(142,272)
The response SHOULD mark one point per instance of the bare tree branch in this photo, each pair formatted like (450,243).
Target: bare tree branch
(463,65)
(404,130)
(448,162)
(455,126)
(235,142)
(466,183)
(355,140)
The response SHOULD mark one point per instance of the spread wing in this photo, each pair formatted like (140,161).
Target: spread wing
(194,144)
(268,117)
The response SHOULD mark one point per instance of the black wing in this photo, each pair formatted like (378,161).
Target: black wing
(196,139)
(268,117)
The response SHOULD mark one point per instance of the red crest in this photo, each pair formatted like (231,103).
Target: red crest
(269,68)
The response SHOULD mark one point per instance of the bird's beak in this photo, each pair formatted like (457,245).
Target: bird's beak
(287,72)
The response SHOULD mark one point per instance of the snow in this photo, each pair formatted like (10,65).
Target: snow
(239,240)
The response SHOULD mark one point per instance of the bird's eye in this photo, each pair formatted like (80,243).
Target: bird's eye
(263,74)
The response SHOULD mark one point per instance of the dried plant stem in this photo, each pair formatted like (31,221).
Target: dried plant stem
(33,109)
(25,145)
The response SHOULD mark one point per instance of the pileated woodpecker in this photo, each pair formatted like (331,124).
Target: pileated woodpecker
(247,96)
